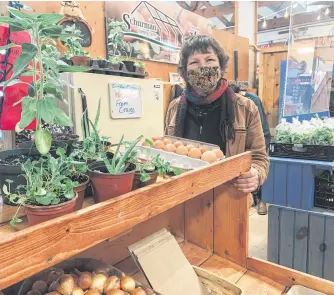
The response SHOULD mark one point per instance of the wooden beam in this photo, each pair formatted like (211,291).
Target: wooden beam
(289,277)
(29,251)
(298,19)
(223,19)
(267,3)
(215,11)
(236,18)
(192,7)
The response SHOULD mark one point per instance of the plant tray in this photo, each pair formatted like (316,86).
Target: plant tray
(111,72)
(299,151)
(82,264)
(324,191)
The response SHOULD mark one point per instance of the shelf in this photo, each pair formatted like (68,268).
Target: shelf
(51,242)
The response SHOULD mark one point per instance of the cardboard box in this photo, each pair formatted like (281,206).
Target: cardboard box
(168,271)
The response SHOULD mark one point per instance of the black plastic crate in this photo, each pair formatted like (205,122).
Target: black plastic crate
(300,151)
(324,191)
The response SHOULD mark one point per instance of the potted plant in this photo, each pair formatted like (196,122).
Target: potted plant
(147,171)
(112,178)
(140,67)
(116,41)
(114,63)
(10,168)
(40,59)
(128,61)
(77,172)
(48,192)
(79,56)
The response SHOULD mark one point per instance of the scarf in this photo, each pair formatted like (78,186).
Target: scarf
(227,109)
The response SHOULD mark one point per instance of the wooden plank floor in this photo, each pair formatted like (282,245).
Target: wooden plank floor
(249,282)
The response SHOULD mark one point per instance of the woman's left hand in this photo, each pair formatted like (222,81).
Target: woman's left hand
(248,182)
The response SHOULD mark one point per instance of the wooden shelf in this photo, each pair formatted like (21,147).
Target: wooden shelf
(186,205)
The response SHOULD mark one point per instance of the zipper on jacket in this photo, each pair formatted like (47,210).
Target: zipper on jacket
(200,130)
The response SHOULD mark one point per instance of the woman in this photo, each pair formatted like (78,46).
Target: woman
(209,111)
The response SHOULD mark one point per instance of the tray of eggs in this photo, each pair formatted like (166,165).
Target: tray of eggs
(181,153)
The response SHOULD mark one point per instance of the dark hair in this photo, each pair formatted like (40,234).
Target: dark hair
(200,44)
(235,87)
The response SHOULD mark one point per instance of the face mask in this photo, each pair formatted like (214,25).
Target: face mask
(204,79)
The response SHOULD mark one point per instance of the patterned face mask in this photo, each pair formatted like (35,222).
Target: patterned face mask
(204,78)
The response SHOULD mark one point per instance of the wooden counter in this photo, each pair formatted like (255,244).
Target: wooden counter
(201,208)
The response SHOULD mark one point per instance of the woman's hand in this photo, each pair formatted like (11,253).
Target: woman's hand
(248,182)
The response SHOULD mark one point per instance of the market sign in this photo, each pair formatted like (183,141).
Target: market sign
(151,31)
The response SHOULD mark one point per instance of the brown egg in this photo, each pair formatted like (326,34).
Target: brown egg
(158,144)
(167,141)
(190,146)
(182,150)
(155,138)
(219,153)
(170,148)
(195,153)
(204,149)
(178,143)
(209,156)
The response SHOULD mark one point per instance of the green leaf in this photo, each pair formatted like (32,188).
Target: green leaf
(14,221)
(53,31)
(45,200)
(72,68)
(41,192)
(144,177)
(28,111)
(50,18)
(52,89)
(149,142)
(29,48)
(43,140)
(46,109)
(7,20)
(7,46)
(62,119)
(18,27)
(5,189)
(28,73)
(21,15)
(23,60)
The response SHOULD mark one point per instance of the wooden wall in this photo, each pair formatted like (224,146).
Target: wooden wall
(269,81)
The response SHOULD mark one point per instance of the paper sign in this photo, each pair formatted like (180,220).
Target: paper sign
(125,100)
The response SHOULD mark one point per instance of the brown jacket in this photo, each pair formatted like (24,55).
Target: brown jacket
(248,133)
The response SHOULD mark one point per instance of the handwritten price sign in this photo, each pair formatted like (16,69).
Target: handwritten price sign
(125,101)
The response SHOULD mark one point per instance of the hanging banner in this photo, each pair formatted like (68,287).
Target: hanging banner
(10,97)
(152,31)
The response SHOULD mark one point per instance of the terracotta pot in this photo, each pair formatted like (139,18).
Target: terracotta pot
(81,61)
(107,186)
(139,184)
(80,190)
(38,214)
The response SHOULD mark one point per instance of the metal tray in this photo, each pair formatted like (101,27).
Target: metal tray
(184,163)
(82,264)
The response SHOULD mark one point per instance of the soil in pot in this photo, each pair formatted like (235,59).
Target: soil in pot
(30,145)
(67,138)
(107,186)
(81,61)
(38,214)
(10,168)
(80,190)
(129,65)
(139,184)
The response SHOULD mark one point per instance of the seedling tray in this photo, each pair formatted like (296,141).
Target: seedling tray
(300,151)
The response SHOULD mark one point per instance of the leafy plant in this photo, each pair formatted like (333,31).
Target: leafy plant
(90,148)
(72,42)
(39,59)
(116,41)
(155,163)
(115,60)
(48,183)
(139,64)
